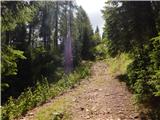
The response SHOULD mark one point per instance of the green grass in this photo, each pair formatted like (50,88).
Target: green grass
(118,65)
(55,111)
(43,92)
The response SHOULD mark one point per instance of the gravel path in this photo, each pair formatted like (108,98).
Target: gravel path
(103,98)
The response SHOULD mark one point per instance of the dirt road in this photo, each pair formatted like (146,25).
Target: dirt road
(100,97)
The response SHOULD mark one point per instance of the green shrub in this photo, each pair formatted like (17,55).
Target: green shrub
(100,51)
(155,64)
(10,56)
(144,71)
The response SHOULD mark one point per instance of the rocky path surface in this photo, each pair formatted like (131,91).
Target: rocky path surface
(100,97)
(103,98)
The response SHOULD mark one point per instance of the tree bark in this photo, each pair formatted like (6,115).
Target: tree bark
(56,27)
(68,44)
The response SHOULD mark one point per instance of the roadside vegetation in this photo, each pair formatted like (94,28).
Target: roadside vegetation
(118,65)
(43,92)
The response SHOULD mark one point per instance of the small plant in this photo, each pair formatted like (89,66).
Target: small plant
(57,116)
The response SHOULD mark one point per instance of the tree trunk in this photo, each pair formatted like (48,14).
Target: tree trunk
(56,27)
(30,35)
(68,45)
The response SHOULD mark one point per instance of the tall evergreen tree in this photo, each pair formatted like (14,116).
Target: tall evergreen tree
(126,27)
(85,31)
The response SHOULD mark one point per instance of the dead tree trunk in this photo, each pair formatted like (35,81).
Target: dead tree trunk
(56,26)
(68,57)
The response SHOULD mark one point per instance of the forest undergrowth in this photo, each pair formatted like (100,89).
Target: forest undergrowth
(43,92)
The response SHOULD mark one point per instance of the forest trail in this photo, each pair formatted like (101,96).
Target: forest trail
(100,97)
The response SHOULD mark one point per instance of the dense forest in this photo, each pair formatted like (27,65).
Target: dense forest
(34,40)
(44,45)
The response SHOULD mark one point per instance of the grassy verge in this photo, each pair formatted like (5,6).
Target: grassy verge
(42,92)
(56,110)
(118,69)
(118,65)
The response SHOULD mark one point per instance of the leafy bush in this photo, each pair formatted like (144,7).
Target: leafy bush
(10,56)
(144,71)
(42,92)
(27,100)
(100,51)
(155,64)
